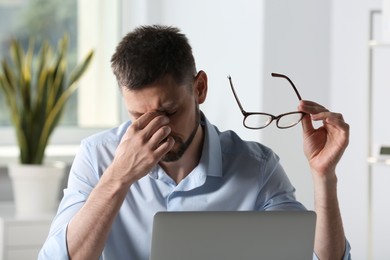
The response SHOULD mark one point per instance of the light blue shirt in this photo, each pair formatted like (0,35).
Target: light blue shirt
(232,175)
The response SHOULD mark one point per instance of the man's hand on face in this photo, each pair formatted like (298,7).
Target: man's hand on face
(143,145)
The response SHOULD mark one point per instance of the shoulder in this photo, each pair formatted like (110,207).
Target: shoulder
(233,145)
(97,151)
(113,135)
(105,140)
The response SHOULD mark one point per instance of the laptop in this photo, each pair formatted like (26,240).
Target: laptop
(233,235)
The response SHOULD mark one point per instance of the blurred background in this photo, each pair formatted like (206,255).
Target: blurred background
(323,46)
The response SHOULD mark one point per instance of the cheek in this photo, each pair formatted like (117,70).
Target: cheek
(183,122)
(177,123)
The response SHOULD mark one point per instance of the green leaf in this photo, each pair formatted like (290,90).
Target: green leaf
(36,95)
(81,68)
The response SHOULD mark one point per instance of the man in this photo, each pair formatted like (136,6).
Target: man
(169,157)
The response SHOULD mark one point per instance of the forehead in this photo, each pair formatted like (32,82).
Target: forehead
(160,96)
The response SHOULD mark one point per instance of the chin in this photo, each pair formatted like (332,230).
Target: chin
(170,157)
(173,155)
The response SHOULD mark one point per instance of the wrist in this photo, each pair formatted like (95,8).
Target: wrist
(113,183)
(325,190)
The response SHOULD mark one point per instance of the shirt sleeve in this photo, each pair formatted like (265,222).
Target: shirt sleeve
(347,252)
(279,194)
(82,179)
(55,247)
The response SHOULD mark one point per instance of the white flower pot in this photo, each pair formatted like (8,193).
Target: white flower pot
(36,187)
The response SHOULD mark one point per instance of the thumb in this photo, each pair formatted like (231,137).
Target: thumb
(307,124)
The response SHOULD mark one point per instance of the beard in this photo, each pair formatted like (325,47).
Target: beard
(177,153)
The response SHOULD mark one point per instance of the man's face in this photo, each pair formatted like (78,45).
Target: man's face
(175,101)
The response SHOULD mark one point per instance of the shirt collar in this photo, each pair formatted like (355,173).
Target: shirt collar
(211,160)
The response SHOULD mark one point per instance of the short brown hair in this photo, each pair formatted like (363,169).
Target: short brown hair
(148,53)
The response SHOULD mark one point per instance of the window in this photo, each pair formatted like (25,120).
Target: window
(90,24)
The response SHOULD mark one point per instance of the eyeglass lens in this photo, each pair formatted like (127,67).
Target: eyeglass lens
(289,120)
(258,121)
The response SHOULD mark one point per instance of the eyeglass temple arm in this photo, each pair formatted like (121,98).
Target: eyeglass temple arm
(289,80)
(235,96)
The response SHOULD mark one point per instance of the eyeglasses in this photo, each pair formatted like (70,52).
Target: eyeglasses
(259,120)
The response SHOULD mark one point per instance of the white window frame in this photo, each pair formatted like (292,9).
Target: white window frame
(93,18)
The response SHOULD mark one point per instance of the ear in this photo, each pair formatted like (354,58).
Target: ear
(200,86)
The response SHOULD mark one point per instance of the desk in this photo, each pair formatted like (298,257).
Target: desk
(21,238)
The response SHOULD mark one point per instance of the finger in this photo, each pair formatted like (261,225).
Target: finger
(310,103)
(164,147)
(311,107)
(327,115)
(314,112)
(160,136)
(337,126)
(307,124)
(147,124)
(154,125)
(337,122)
(145,119)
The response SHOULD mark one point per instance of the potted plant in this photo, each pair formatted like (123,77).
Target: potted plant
(36,87)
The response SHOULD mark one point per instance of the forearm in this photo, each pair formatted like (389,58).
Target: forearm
(88,231)
(329,236)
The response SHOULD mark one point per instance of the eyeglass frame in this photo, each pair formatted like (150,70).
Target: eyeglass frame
(277,118)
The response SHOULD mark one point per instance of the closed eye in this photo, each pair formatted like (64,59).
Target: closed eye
(170,113)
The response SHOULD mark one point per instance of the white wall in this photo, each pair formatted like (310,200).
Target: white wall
(349,94)
(226,37)
(297,38)
(349,80)
(322,47)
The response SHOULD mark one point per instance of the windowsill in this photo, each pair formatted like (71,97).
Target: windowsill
(64,153)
